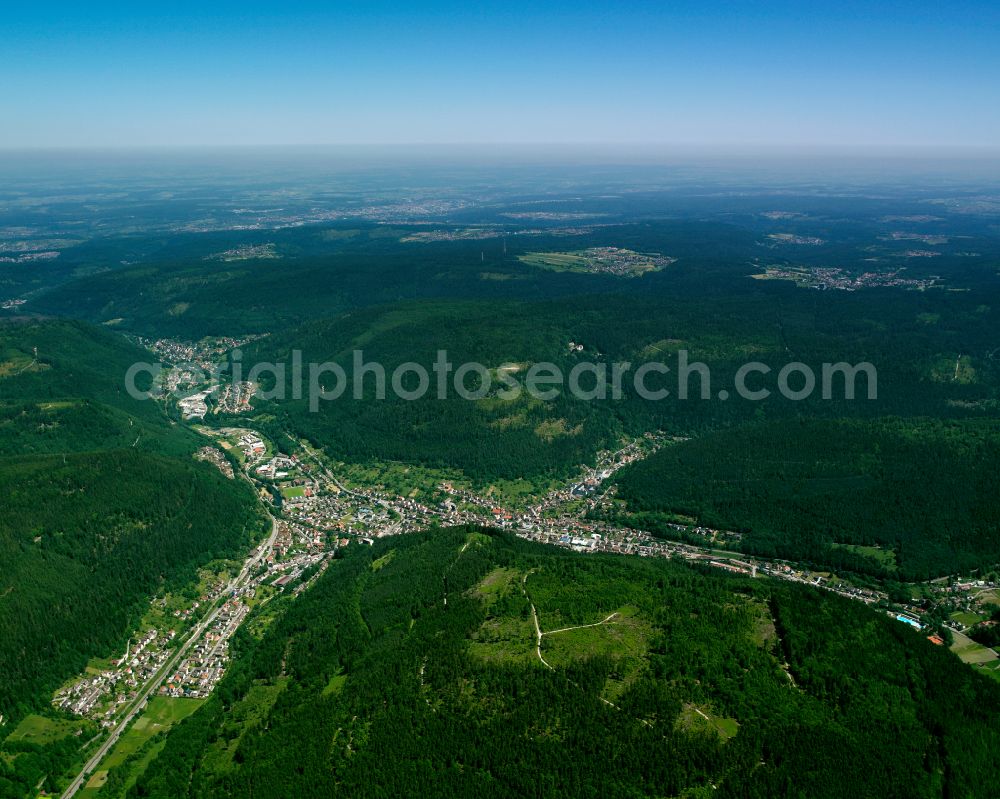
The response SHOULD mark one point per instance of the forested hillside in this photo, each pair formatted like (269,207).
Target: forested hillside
(85,539)
(924,490)
(326,271)
(62,388)
(321,271)
(413,668)
(103,505)
(501,438)
(306,586)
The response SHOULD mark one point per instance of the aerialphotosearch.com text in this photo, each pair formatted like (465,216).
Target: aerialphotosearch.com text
(680,379)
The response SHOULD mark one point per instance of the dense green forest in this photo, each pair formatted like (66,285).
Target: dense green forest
(330,270)
(797,476)
(164,285)
(62,389)
(494,437)
(924,489)
(103,505)
(411,669)
(86,538)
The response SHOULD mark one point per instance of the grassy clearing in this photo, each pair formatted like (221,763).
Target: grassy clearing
(43,730)
(499,277)
(475,540)
(969,651)
(624,639)
(497,584)
(885,557)
(953,369)
(249,712)
(510,637)
(20,363)
(991,669)
(98,665)
(336,684)
(764,630)
(660,347)
(161,714)
(555,428)
(624,636)
(694,717)
(505,642)
(966,618)
(56,406)
(384,560)
(557,261)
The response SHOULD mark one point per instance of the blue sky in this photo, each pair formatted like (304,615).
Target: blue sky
(704,73)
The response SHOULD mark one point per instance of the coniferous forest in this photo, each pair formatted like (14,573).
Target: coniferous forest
(102,508)
(374,685)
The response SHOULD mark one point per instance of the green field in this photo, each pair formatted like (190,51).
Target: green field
(967,618)
(558,261)
(161,714)
(702,718)
(138,746)
(881,555)
(44,730)
(970,651)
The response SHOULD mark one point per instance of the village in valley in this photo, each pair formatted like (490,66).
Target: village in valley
(183,644)
(325,504)
(316,506)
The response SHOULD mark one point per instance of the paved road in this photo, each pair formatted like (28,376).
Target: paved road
(157,679)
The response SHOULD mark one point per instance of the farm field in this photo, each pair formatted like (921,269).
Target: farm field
(133,751)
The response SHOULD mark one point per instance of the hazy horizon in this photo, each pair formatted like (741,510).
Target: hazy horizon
(608,165)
